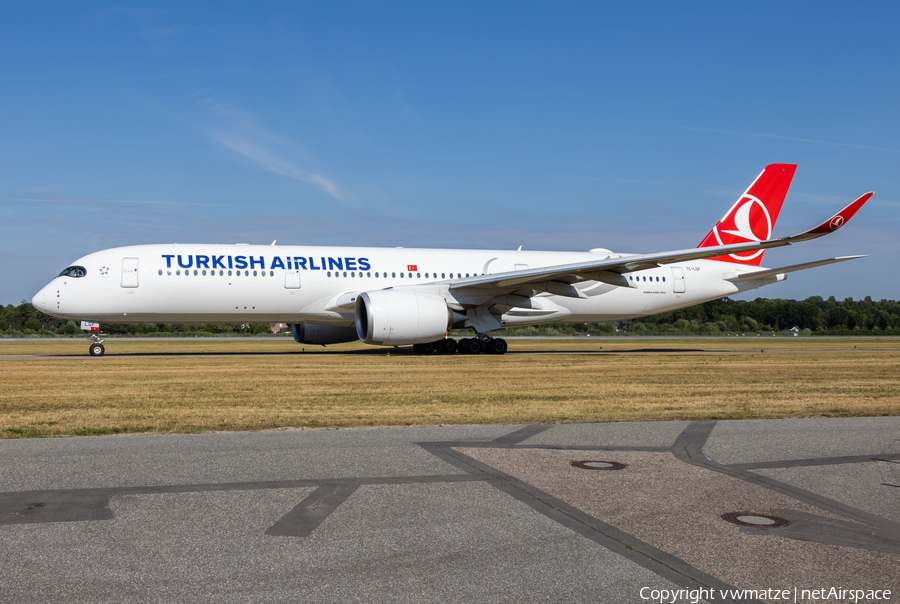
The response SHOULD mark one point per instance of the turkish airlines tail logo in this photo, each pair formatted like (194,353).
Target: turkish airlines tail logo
(753,215)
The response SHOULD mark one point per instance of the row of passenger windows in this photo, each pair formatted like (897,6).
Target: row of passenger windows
(401,275)
(222,273)
(645,278)
(80,272)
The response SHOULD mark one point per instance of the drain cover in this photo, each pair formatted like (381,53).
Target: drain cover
(753,519)
(598,465)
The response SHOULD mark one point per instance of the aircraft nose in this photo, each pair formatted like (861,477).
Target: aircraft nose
(42,300)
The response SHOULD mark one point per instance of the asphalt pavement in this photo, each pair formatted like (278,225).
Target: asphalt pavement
(679,511)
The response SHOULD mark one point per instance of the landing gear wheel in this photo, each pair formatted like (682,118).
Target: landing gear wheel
(427,347)
(496,346)
(449,345)
(470,346)
(97,350)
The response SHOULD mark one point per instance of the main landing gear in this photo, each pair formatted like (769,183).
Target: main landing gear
(477,345)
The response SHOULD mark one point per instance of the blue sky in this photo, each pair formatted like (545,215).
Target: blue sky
(467,124)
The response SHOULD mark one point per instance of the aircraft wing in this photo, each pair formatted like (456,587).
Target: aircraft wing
(559,279)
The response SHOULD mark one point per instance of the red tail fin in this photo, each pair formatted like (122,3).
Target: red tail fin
(753,215)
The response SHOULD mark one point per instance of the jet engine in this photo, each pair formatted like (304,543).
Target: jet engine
(398,317)
(310,333)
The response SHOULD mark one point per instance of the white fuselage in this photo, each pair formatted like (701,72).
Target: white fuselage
(200,283)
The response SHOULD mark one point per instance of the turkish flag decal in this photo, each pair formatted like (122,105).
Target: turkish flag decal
(412,267)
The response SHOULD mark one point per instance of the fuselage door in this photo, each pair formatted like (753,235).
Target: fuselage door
(292,279)
(129,272)
(678,274)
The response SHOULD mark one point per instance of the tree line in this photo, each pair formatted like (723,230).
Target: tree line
(26,320)
(814,315)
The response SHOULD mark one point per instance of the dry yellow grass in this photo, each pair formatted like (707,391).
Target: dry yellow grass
(187,386)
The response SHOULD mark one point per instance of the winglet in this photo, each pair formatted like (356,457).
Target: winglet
(835,222)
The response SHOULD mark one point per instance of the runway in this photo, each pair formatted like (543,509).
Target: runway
(454,514)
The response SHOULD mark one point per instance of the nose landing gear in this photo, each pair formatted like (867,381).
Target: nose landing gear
(96,348)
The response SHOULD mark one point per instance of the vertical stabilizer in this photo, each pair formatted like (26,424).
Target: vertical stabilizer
(753,215)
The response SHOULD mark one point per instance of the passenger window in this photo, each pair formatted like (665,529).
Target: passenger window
(345,273)
(160,271)
(195,272)
(204,273)
(401,275)
(229,273)
(393,274)
(418,275)
(178,272)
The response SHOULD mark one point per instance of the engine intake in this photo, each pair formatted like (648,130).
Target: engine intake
(398,317)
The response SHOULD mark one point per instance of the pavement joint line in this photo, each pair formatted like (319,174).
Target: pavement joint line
(689,448)
(71,505)
(656,560)
(307,515)
(815,461)
(521,434)
(478,444)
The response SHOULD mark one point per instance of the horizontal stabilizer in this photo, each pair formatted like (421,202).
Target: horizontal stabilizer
(771,272)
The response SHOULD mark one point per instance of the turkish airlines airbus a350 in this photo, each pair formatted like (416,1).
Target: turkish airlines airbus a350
(397,296)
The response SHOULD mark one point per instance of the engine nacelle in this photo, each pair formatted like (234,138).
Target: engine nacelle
(310,333)
(398,317)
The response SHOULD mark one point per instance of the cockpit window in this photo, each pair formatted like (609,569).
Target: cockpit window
(73,271)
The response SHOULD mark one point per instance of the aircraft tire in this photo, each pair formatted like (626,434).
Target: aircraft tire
(471,346)
(496,346)
(449,346)
(427,347)
(97,350)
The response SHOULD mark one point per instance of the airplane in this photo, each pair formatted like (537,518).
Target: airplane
(400,296)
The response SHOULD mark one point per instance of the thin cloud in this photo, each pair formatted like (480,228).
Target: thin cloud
(240,132)
(267,160)
(779,137)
